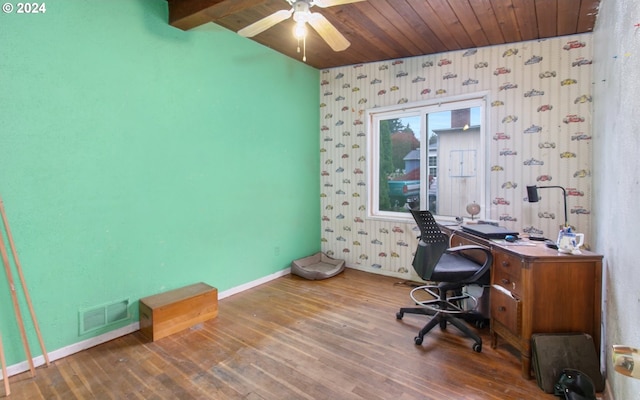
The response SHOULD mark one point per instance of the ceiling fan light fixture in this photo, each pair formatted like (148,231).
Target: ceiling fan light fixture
(300,30)
(300,33)
(301,15)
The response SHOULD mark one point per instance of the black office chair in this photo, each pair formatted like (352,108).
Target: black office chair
(452,269)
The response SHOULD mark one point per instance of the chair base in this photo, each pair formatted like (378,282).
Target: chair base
(443,311)
(442,319)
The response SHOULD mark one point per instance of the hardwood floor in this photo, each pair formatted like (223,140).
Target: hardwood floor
(292,339)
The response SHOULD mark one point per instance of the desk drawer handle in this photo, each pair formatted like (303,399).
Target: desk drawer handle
(505,263)
(505,281)
(502,308)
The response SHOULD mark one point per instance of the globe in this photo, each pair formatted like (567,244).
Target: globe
(473,209)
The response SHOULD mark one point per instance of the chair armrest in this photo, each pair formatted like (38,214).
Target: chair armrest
(467,247)
(488,260)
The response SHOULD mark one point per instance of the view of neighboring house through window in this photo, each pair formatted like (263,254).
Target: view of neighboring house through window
(429,156)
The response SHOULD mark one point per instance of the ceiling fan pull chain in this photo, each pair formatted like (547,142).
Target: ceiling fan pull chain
(304,49)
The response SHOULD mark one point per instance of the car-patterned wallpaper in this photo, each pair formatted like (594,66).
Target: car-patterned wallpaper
(538,129)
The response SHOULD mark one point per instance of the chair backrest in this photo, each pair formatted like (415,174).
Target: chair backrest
(432,245)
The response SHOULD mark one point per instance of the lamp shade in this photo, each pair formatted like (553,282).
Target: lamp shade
(532,194)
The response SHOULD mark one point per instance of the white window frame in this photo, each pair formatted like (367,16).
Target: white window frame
(422,109)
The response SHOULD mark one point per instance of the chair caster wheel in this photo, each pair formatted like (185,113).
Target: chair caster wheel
(477,347)
(399,315)
(417,340)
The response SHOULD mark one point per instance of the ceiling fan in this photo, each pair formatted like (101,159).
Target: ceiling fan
(302,15)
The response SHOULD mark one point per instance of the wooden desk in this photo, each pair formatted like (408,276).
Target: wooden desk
(550,292)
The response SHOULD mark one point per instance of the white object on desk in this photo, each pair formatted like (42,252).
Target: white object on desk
(570,242)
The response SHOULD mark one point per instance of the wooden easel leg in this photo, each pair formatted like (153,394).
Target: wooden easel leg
(14,252)
(16,305)
(5,376)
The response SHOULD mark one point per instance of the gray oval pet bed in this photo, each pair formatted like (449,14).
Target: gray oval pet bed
(317,266)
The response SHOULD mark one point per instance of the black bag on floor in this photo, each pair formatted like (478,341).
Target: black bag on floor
(574,385)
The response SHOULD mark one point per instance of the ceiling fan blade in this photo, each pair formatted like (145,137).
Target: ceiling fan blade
(328,32)
(265,23)
(331,3)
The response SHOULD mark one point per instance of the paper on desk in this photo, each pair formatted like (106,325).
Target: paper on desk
(516,243)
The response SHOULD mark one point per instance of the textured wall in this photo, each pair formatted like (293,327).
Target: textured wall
(540,95)
(616,143)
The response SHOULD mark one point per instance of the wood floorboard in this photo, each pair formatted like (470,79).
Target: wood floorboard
(293,339)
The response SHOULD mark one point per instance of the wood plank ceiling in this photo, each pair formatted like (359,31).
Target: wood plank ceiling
(390,29)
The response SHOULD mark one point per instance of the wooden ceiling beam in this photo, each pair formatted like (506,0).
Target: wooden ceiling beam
(188,14)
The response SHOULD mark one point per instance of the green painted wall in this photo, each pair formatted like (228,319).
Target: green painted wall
(137,158)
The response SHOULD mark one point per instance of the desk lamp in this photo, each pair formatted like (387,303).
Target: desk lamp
(532,195)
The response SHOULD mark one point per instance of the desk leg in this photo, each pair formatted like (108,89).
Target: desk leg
(494,340)
(526,366)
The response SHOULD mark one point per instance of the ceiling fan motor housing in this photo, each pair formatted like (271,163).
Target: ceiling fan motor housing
(300,11)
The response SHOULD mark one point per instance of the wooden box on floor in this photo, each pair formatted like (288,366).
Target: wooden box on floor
(170,312)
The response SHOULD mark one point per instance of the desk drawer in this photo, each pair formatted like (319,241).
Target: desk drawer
(457,240)
(506,310)
(507,272)
(506,280)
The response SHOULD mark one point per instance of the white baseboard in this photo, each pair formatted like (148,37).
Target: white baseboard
(72,349)
(403,276)
(252,284)
(94,341)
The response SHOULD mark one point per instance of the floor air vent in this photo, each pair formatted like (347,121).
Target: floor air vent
(100,316)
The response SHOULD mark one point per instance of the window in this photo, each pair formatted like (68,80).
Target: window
(427,155)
